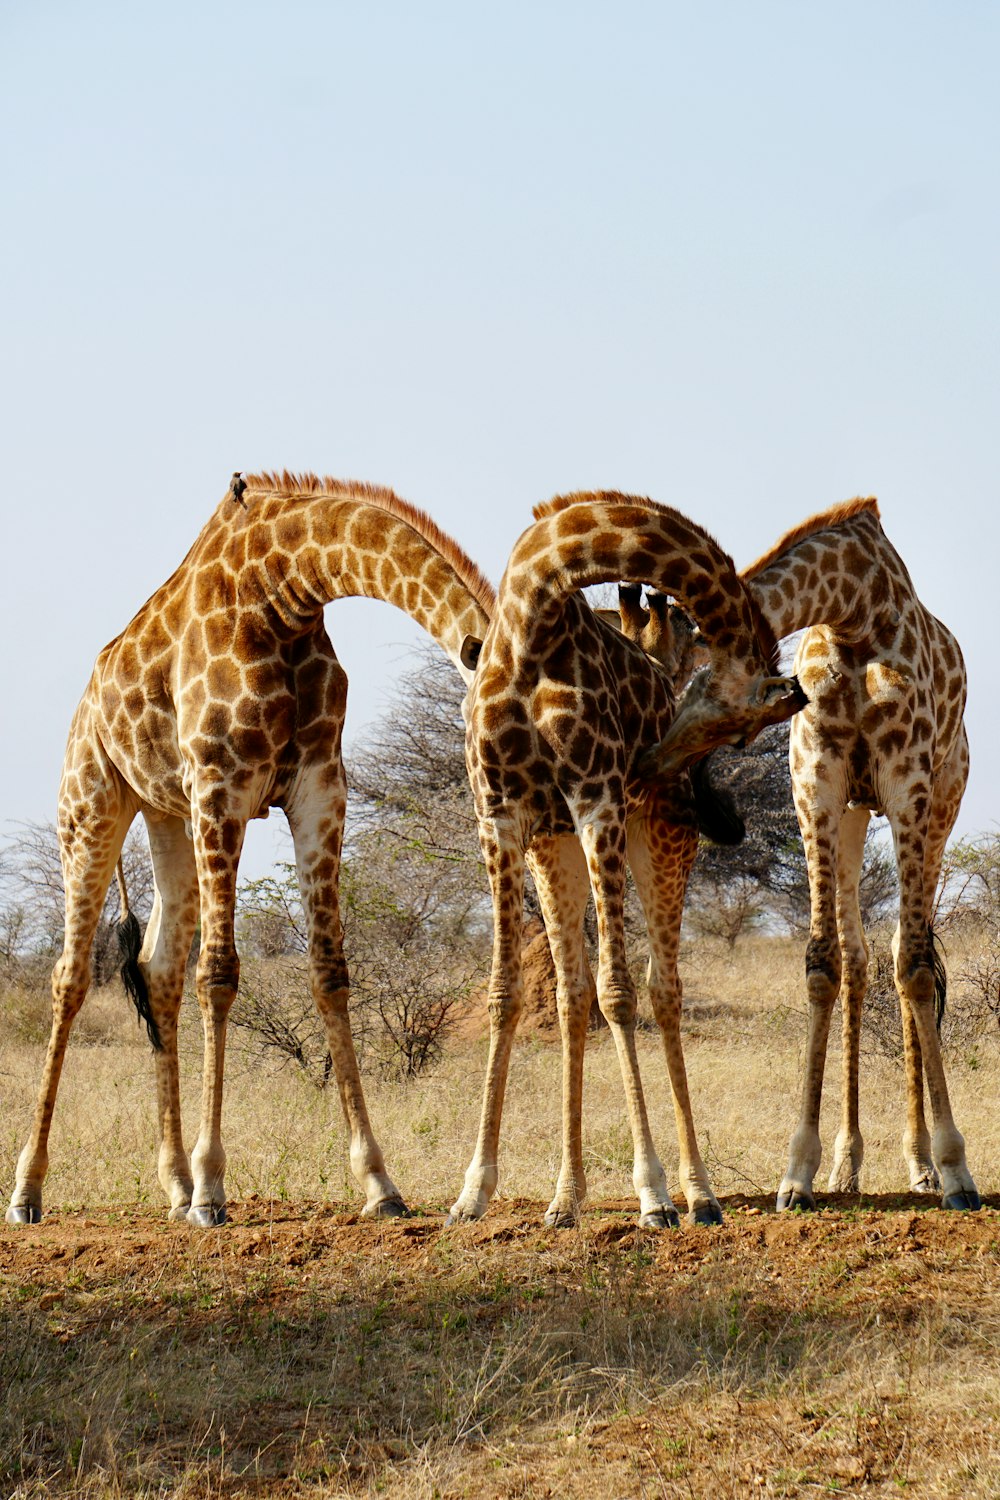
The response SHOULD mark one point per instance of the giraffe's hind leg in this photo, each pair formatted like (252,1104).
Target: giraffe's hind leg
(849,1147)
(505,868)
(661,855)
(163,960)
(94,817)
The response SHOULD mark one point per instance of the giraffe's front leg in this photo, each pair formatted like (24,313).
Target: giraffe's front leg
(163,959)
(661,855)
(218,976)
(383,1200)
(915,981)
(505,868)
(316,815)
(948,788)
(604,845)
(849,1147)
(804,1149)
(218,838)
(559,871)
(819,824)
(917,1152)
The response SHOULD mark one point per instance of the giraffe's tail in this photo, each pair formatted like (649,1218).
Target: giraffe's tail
(715,808)
(936,949)
(134,980)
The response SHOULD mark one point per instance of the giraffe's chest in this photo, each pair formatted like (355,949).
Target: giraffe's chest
(871,722)
(550,763)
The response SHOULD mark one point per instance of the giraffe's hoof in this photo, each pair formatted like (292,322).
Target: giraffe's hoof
(664,1217)
(461,1216)
(796,1198)
(929,1182)
(968,1199)
(178,1214)
(386,1208)
(207,1215)
(24,1213)
(706,1213)
(843,1182)
(561,1218)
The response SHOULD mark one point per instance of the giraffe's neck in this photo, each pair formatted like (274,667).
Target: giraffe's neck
(581,540)
(841,575)
(311,549)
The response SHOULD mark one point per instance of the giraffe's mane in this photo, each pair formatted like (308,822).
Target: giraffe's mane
(297,486)
(765,635)
(823,521)
(594,497)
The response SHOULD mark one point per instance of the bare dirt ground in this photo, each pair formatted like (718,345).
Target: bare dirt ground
(300,1350)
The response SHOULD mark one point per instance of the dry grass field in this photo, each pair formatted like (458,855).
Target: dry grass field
(301,1351)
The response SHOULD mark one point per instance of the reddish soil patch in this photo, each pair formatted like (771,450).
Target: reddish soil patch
(867,1235)
(302,1350)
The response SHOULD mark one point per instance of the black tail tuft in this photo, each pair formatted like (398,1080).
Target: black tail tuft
(940,974)
(136,988)
(718,816)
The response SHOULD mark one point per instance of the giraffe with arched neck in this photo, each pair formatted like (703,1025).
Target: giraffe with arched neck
(883,733)
(221,699)
(566,718)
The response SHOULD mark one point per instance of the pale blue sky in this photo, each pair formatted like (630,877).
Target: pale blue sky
(740,257)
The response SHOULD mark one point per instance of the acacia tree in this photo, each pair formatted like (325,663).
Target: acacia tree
(414,899)
(408,778)
(415,893)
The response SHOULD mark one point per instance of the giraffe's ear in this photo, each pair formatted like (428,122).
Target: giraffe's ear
(781,694)
(469,654)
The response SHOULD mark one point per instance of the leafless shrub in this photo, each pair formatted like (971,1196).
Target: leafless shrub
(881,1023)
(32,903)
(415,937)
(981,977)
(736,908)
(972,1009)
(969,887)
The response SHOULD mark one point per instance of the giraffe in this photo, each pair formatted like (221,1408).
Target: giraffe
(674,814)
(221,699)
(563,715)
(883,732)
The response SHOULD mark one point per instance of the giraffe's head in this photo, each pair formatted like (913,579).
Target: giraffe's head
(721,702)
(664,630)
(725,703)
